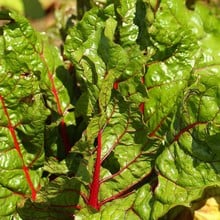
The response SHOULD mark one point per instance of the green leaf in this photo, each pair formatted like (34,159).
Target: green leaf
(35,56)
(59,200)
(128,30)
(114,210)
(22,133)
(143,83)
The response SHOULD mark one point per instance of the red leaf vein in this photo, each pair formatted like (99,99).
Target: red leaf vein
(18,149)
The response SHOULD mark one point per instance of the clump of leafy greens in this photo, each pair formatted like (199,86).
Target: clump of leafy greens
(130,132)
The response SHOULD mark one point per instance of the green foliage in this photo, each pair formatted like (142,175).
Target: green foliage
(129,129)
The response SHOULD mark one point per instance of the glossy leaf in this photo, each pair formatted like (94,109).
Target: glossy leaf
(22,133)
(147,114)
(35,56)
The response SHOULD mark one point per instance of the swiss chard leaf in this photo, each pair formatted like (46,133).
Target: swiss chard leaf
(34,56)
(22,132)
(31,91)
(148,107)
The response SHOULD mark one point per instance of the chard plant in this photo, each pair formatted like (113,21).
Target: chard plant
(122,123)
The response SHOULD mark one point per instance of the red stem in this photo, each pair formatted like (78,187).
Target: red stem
(64,134)
(187,128)
(153,133)
(95,185)
(18,149)
(141,107)
(115,85)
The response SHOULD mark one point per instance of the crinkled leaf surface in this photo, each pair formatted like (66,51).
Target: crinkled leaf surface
(22,133)
(32,88)
(30,52)
(149,108)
